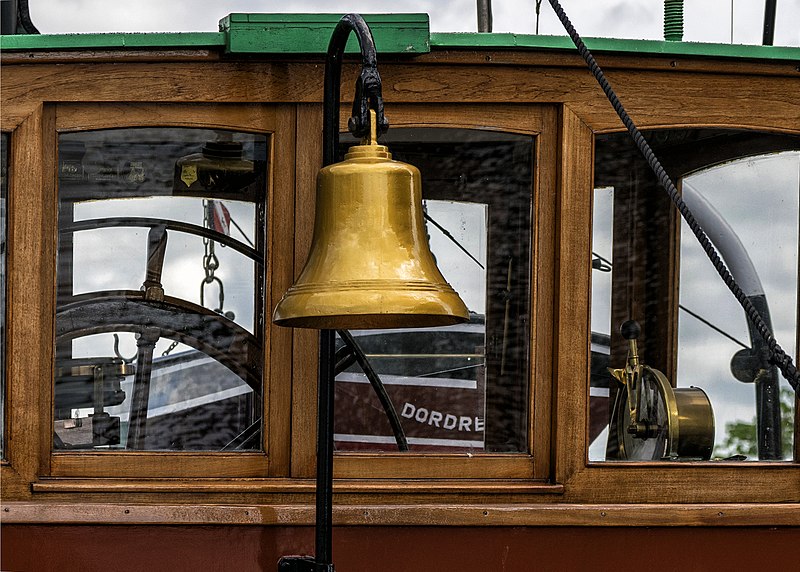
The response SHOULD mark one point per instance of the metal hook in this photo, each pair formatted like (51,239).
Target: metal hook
(209,280)
(119,355)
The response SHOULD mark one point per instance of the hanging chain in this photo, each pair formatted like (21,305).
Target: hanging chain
(171,347)
(210,260)
(211,265)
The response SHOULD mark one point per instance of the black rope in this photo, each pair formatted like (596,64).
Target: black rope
(778,356)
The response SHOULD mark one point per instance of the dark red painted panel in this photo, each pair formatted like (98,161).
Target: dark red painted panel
(35,548)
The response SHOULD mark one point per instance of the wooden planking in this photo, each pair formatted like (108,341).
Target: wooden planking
(653,98)
(686,483)
(572,331)
(27,309)
(480,515)
(168,82)
(696,100)
(276,486)
(421,466)
(280,249)
(158,464)
(47,269)
(487,56)
(542,324)
(101,55)
(15,486)
(79,116)
(304,365)
(14,114)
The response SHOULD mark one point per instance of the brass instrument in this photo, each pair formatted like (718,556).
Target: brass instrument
(653,420)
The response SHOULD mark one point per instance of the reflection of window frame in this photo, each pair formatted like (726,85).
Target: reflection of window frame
(69,118)
(536,121)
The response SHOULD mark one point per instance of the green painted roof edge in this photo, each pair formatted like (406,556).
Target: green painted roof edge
(112,40)
(465,40)
(240,33)
(437,40)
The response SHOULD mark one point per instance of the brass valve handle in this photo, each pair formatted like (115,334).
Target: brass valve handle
(631,374)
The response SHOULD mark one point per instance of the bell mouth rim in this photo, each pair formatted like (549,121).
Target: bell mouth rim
(371,321)
(384,305)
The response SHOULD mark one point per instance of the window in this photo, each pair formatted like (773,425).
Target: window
(743,188)
(160,314)
(463,387)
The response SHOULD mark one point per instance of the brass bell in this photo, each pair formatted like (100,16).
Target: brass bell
(370,264)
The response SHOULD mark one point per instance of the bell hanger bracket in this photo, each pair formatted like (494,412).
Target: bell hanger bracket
(368,88)
(367,96)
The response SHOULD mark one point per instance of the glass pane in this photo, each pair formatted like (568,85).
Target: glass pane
(758,197)
(160,290)
(3,195)
(743,187)
(463,387)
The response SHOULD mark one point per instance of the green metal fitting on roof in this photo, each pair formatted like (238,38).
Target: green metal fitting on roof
(673,20)
(310,33)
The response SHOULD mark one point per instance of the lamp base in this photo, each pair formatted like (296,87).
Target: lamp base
(302,564)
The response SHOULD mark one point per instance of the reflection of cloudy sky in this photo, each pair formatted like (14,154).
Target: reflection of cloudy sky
(466,222)
(759,199)
(112,259)
(707,21)
(115,258)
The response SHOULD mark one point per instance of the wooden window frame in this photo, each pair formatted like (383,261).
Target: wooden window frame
(32,371)
(4,409)
(640,482)
(534,120)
